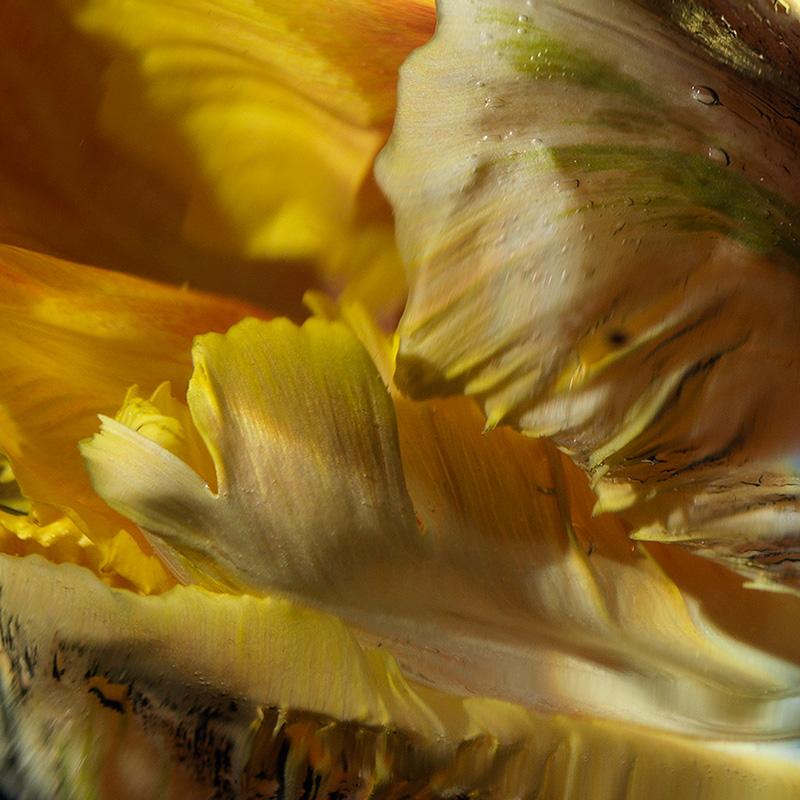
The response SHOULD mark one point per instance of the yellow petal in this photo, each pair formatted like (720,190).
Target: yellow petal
(11,498)
(604,249)
(301,431)
(73,340)
(504,585)
(117,561)
(167,422)
(190,693)
(228,143)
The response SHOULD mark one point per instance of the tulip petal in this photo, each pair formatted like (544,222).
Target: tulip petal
(497,581)
(74,339)
(190,694)
(224,143)
(604,249)
(118,561)
(263,397)
(11,498)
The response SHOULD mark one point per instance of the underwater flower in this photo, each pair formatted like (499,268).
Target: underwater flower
(265,571)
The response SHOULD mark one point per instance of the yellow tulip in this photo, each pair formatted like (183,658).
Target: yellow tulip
(264,571)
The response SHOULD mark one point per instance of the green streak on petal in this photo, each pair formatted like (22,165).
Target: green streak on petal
(624,120)
(541,56)
(712,31)
(677,186)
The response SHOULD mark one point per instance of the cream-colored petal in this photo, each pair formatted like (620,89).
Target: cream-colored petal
(584,613)
(604,248)
(310,487)
(499,582)
(112,696)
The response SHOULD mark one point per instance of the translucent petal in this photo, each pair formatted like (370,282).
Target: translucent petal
(301,431)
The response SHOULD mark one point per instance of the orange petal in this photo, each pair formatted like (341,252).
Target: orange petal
(73,340)
(225,143)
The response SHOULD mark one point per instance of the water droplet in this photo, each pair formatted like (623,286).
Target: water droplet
(628,201)
(490,137)
(566,185)
(705,95)
(520,30)
(522,18)
(536,140)
(718,155)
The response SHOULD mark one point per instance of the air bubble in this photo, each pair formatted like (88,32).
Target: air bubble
(718,155)
(522,18)
(705,95)
(567,184)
